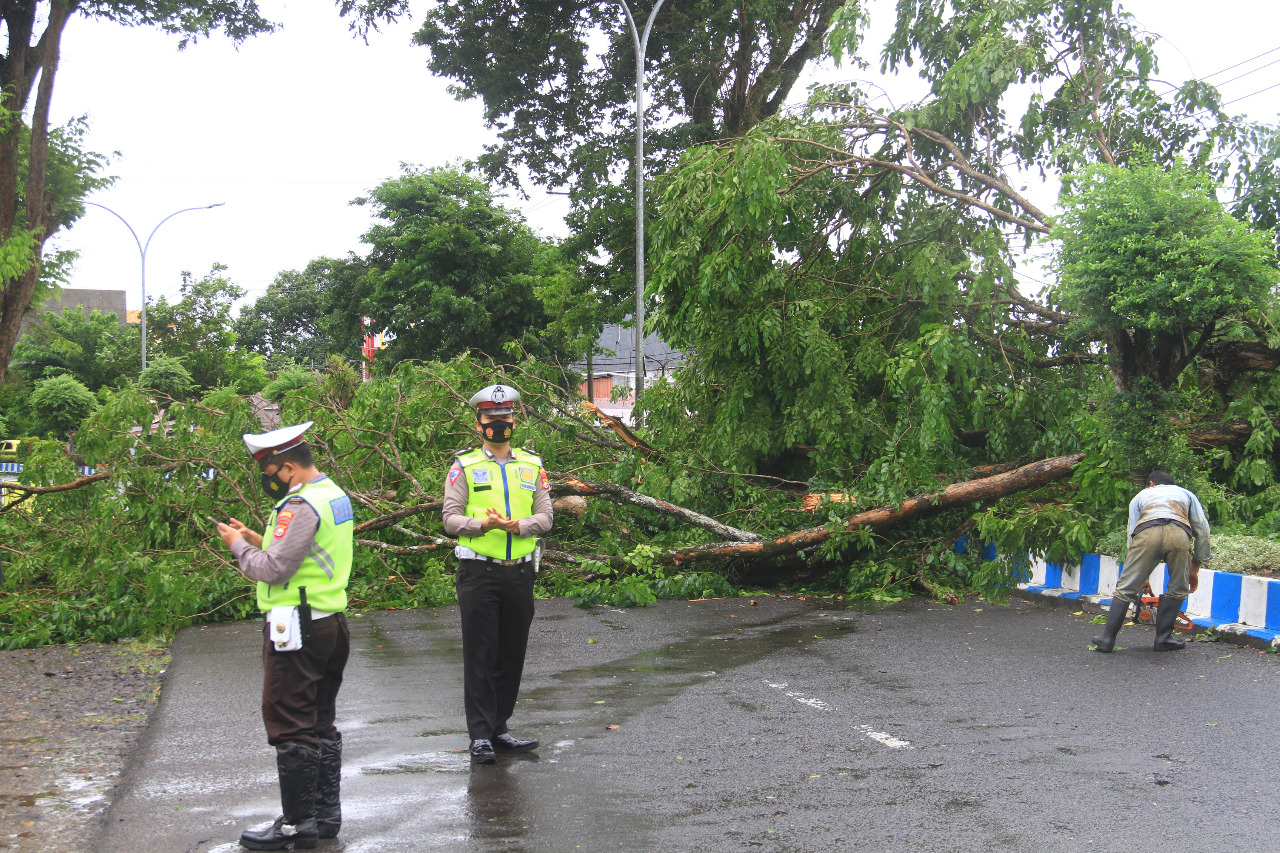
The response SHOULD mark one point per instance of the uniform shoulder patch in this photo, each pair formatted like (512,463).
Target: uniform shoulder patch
(342,511)
(546,483)
(283,519)
(454,473)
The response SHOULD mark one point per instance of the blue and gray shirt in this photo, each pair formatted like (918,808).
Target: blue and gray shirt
(1175,504)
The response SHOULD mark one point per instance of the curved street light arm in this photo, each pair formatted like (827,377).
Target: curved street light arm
(122,219)
(170,216)
(142,253)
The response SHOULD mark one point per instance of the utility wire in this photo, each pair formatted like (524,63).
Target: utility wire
(1251,94)
(1247,73)
(1238,64)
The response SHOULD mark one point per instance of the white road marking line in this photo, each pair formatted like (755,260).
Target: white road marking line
(879,737)
(886,738)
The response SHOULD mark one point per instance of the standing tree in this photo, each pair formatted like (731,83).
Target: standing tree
(565,115)
(59,404)
(451,271)
(30,208)
(197,330)
(286,324)
(1151,264)
(97,350)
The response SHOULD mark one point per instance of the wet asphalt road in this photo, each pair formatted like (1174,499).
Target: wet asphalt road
(787,726)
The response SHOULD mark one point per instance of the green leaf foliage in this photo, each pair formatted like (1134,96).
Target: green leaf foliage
(557,84)
(168,376)
(450,271)
(197,329)
(287,323)
(97,349)
(1149,249)
(59,404)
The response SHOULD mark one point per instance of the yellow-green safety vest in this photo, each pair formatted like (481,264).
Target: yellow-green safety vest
(507,488)
(326,569)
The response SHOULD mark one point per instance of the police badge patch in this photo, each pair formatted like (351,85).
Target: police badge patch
(528,477)
(282,524)
(342,510)
(480,476)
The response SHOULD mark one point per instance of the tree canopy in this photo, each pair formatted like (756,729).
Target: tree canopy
(37,195)
(287,324)
(557,82)
(197,331)
(451,271)
(98,350)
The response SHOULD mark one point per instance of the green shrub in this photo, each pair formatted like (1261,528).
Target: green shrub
(168,376)
(1247,555)
(290,379)
(59,404)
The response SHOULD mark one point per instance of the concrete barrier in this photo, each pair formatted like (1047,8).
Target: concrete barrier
(1229,603)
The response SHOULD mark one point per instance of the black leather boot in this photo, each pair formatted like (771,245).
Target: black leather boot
(1166,615)
(1106,641)
(329,788)
(298,767)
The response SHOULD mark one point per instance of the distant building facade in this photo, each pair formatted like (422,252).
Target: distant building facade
(87,300)
(613,366)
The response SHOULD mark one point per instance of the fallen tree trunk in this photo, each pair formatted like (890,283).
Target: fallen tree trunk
(1027,477)
(570,485)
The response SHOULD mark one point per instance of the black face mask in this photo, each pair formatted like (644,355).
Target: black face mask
(273,485)
(498,432)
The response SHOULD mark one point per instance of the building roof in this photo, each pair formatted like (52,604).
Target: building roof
(615,352)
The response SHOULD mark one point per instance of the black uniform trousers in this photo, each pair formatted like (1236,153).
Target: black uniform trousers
(496,603)
(300,688)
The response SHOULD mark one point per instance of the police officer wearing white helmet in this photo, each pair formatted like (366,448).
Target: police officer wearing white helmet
(302,563)
(497,501)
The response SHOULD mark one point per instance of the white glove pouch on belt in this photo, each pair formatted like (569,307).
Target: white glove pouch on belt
(284,628)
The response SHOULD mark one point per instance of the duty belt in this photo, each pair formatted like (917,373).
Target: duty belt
(482,558)
(1161,522)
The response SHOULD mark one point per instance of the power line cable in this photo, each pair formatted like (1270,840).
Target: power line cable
(1251,94)
(1247,73)
(1238,64)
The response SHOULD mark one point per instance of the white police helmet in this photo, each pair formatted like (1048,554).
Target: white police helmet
(495,400)
(262,446)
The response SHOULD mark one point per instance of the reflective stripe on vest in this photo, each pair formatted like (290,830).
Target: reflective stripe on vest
(327,566)
(507,489)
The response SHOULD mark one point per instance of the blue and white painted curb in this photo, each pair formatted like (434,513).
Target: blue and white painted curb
(1243,605)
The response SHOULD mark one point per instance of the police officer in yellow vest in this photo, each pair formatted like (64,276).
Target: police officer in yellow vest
(497,501)
(301,564)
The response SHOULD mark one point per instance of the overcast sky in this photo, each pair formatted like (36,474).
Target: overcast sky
(293,125)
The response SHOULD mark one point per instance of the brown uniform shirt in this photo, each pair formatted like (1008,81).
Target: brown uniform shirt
(458,493)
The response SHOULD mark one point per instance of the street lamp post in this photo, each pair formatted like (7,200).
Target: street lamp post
(641,44)
(142,251)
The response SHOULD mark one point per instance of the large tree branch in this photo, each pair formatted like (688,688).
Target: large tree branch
(390,519)
(568,485)
(1031,476)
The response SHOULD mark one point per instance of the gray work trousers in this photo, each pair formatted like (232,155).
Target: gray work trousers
(1148,548)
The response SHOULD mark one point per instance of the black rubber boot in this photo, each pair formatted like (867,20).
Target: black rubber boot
(329,789)
(298,767)
(1166,615)
(1106,641)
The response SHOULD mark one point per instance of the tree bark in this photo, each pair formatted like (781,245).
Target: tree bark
(569,485)
(18,73)
(619,427)
(1031,476)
